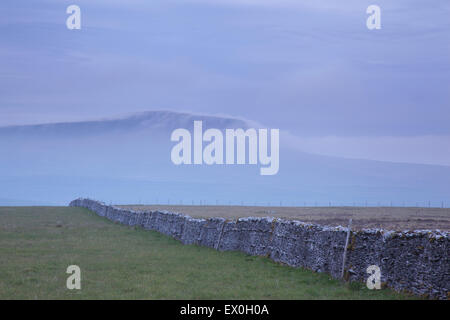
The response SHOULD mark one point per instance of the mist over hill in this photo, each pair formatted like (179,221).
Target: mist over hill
(127,160)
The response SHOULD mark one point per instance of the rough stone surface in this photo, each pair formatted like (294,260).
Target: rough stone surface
(411,261)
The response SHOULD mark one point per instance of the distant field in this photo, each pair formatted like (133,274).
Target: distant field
(392,218)
(117,262)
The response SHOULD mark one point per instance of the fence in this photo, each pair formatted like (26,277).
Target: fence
(415,261)
(287,203)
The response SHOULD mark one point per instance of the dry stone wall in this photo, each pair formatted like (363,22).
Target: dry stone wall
(410,261)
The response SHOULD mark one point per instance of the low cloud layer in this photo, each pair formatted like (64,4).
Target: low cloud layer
(311,68)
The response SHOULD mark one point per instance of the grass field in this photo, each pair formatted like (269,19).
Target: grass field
(390,218)
(37,244)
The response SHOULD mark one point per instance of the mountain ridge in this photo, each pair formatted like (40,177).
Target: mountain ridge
(132,156)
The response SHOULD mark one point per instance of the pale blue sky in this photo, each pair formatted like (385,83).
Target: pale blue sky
(310,68)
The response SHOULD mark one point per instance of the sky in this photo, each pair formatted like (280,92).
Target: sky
(310,68)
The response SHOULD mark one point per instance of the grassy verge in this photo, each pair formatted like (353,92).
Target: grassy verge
(37,244)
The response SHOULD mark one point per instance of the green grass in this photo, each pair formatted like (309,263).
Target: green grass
(37,244)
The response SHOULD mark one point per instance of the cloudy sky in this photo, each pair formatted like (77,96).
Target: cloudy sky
(311,68)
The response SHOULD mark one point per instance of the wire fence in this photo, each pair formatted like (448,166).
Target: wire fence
(287,203)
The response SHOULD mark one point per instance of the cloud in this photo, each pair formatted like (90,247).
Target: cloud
(427,149)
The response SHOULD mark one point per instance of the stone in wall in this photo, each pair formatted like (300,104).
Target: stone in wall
(255,235)
(192,230)
(231,235)
(209,234)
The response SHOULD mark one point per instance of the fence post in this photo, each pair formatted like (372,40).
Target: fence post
(220,235)
(345,248)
